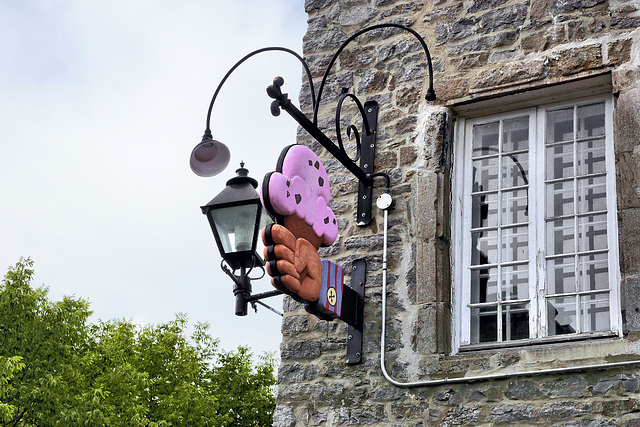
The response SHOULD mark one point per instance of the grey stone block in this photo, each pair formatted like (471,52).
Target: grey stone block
(572,386)
(522,390)
(511,413)
(283,416)
(300,349)
(570,5)
(630,301)
(296,372)
(628,237)
(562,410)
(461,416)
(619,384)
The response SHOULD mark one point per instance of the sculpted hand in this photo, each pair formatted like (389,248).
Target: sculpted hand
(293,264)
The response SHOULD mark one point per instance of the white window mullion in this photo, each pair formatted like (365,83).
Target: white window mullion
(576,258)
(466,256)
(461,200)
(612,222)
(499,237)
(536,204)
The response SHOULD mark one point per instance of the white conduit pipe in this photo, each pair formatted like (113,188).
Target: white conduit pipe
(472,378)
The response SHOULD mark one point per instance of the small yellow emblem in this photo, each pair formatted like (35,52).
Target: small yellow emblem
(332,296)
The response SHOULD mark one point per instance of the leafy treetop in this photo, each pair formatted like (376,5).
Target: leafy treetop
(57,369)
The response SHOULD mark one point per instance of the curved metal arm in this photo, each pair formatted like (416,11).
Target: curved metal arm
(430,96)
(351,128)
(386,177)
(237,64)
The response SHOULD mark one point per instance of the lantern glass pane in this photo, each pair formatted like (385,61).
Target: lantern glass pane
(235,226)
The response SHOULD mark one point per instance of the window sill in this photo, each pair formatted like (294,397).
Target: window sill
(536,342)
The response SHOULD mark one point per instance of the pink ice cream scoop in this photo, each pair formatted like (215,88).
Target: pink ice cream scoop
(300,187)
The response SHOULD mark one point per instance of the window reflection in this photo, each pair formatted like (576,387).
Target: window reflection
(594,311)
(559,125)
(484,285)
(484,324)
(590,120)
(515,322)
(561,313)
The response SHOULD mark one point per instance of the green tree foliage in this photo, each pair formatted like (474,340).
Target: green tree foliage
(9,367)
(57,369)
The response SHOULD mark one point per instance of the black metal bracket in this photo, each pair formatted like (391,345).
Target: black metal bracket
(354,332)
(367,157)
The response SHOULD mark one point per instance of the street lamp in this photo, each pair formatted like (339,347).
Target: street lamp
(234,216)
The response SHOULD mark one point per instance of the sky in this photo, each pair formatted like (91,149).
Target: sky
(101,103)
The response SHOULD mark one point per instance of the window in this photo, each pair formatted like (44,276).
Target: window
(535,233)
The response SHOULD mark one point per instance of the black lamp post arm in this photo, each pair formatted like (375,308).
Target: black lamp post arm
(430,95)
(268,307)
(263,295)
(207,132)
(229,273)
(282,101)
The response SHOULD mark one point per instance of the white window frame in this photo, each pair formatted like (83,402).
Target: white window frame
(461,226)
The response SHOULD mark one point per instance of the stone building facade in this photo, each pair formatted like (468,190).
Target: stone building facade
(461,348)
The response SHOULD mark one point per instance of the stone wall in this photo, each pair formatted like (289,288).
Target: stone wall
(481,49)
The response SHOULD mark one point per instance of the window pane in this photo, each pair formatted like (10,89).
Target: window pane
(590,120)
(484,285)
(592,232)
(515,244)
(515,134)
(561,275)
(515,168)
(485,174)
(515,282)
(484,248)
(594,311)
(485,139)
(561,237)
(559,125)
(484,324)
(559,161)
(592,194)
(561,313)
(593,272)
(591,157)
(484,210)
(560,199)
(515,207)
(515,322)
